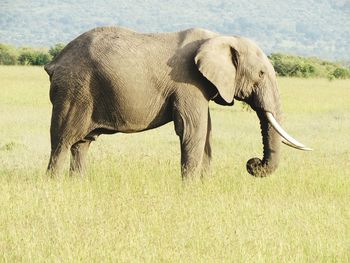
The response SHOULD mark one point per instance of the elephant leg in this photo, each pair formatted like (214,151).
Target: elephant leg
(63,134)
(207,149)
(191,127)
(78,156)
(59,142)
(58,154)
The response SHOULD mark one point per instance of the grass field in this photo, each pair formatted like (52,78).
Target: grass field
(133,207)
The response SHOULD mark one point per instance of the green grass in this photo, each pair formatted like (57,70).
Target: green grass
(133,207)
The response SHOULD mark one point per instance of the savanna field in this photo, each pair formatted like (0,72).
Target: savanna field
(132,205)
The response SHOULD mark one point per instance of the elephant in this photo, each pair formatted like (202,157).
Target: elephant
(113,79)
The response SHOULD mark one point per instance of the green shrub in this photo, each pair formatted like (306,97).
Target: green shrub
(8,55)
(56,49)
(42,58)
(341,73)
(30,56)
(296,66)
(26,57)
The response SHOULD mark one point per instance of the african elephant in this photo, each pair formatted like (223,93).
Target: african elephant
(112,79)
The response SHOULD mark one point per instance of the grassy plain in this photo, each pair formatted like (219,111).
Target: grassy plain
(133,207)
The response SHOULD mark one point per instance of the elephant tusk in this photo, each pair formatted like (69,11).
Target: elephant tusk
(288,140)
(294,146)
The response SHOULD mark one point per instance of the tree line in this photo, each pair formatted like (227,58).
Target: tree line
(285,65)
(307,67)
(10,55)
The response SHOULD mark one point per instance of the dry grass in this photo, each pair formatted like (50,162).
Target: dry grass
(132,206)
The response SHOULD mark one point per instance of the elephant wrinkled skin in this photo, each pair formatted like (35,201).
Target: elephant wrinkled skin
(112,79)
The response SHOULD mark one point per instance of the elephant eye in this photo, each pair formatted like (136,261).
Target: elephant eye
(261,73)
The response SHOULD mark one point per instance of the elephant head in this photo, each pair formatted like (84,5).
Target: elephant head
(239,69)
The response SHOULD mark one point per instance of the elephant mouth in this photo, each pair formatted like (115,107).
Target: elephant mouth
(287,139)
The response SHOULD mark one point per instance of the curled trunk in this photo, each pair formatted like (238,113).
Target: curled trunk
(271,142)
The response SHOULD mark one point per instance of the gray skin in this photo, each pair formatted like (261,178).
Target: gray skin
(112,79)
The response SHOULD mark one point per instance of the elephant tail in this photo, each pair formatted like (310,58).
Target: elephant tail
(50,68)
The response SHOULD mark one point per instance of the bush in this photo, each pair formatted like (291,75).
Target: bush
(341,73)
(293,66)
(56,49)
(296,66)
(30,56)
(26,57)
(42,58)
(8,55)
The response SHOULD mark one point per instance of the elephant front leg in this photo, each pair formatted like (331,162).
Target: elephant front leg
(207,149)
(192,130)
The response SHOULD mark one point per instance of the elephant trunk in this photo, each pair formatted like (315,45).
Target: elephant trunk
(271,142)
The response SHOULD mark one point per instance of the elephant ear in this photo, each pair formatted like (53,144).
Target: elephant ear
(216,59)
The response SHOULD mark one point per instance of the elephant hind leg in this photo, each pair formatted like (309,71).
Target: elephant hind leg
(57,157)
(78,156)
(68,126)
(59,153)
(80,148)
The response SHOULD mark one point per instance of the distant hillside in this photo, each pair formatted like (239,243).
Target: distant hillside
(313,28)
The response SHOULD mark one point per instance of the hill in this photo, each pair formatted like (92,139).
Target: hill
(313,28)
